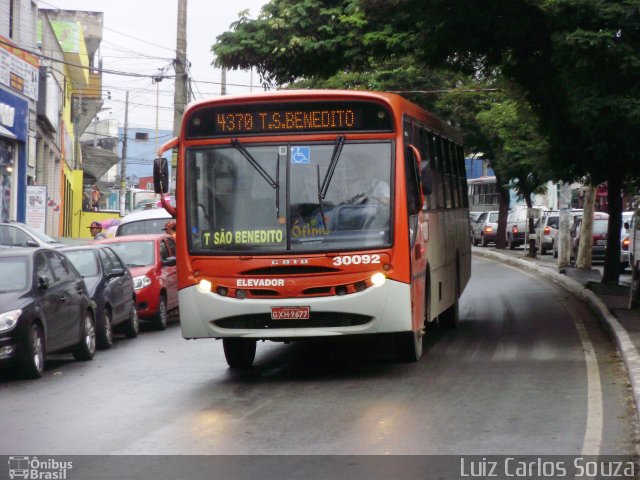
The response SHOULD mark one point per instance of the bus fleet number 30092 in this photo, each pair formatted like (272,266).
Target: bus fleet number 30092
(356,259)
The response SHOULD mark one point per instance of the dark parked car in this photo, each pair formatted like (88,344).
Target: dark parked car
(44,308)
(152,262)
(110,286)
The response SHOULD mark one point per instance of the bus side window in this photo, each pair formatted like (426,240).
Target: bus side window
(463,177)
(435,185)
(446,162)
(455,185)
(424,168)
(442,184)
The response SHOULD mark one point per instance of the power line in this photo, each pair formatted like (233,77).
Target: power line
(93,69)
(111,29)
(220,83)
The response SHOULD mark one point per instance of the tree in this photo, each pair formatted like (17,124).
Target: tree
(499,126)
(575,61)
(520,151)
(294,39)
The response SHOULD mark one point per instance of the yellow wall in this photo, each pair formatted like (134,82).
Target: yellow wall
(81,220)
(88,217)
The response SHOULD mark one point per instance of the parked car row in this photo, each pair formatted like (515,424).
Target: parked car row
(57,298)
(484,227)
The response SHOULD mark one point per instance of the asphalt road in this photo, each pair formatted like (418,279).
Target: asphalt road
(529,370)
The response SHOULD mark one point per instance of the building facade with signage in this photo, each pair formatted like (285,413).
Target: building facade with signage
(77,35)
(19,72)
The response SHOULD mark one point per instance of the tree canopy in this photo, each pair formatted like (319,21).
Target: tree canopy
(576,63)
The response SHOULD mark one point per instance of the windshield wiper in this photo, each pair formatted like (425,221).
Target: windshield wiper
(322,190)
(275,184)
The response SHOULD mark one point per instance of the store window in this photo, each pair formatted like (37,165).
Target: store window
(6,173)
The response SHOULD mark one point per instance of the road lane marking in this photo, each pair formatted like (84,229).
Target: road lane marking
(593,431)
(595,412)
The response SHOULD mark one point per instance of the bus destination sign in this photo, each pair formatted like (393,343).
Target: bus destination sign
(286,120)
(288,117)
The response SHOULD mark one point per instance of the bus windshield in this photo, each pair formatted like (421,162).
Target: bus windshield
(270,198)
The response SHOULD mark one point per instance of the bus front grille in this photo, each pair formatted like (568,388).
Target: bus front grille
(279,270)
(263,321)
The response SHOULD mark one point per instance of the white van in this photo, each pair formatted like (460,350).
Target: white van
(518,224)
(144,222)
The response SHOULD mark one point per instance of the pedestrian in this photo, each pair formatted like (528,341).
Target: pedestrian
(95,197)
(96,231)
(86,202)
(170,228)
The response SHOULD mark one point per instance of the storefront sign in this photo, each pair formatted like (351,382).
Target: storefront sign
(36,207)
(14,113)
(18,69)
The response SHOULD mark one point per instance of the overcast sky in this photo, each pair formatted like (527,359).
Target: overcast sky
(140,36)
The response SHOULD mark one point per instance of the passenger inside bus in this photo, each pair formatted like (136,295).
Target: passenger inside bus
(381,197)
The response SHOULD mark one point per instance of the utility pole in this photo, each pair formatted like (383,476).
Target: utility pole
(223,81)
(157,81)
(123,165)
(180,66)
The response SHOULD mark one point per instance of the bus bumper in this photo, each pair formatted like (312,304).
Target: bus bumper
(383,309)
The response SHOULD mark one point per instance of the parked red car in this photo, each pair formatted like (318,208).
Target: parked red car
(599,235)
(152,262)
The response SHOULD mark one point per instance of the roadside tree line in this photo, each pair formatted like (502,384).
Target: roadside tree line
(542,89)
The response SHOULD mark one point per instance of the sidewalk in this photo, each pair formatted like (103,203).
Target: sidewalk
(610,302)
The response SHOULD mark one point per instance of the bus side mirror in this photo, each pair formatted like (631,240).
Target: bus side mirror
(415,195)
(160,175)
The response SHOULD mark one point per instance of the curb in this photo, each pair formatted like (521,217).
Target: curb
(628,351)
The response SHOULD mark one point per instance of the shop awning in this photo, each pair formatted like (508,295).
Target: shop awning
(6,133)
(96,162)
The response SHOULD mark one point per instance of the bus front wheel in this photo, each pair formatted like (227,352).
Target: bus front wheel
(409,346)
(239,352)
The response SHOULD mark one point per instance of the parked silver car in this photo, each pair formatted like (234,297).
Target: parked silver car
(625,240)
(546,230)
(16,234)
(485,228)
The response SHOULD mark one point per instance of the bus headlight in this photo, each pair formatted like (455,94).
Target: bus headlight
(141,282)
(378,279)
(204,286)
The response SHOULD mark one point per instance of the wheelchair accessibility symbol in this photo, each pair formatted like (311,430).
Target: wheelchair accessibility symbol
(300,155)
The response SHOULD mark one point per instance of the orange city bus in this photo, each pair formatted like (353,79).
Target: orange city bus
(317,213)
